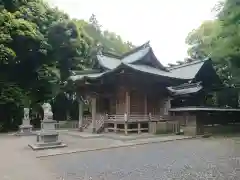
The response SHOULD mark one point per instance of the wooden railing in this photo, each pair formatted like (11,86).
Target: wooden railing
(87,120)
(115,122)
(127,123)
(100,119)
(67,125)
(138,117)
(115,117)
(88,124)
(129,118)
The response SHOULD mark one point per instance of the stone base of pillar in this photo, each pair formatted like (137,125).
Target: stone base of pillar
(106,130)
(139,128)
(126,128)
(93,130)
(80,129)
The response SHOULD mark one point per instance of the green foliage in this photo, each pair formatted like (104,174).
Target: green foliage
(68,47)
(28,70)
(40,47)
(201,40)
(110,41)
(220,39)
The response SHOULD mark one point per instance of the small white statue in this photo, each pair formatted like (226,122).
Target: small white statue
(26,116)
(26,113)
(47,109)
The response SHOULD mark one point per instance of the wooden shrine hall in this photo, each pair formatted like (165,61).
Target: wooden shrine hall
(132,92)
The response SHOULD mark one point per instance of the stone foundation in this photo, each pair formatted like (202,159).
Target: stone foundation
(164,127)
(161,128)
(190,127)
(189,130)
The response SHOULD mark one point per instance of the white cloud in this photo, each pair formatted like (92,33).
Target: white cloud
(165,23)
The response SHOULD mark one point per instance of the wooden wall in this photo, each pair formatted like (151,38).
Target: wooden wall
(153,105)
(137,103)
(137,100)
(113,106)
(120,101)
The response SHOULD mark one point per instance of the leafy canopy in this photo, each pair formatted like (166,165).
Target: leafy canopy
(220,39)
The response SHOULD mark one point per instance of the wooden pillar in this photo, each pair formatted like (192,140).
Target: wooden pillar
(238,99)
(125,124)
(80,115)
(93,103)
(106,124)
(186,116)
(145,104)
(127,102)
(115,127)
(199,123)
(139,128)
(127,111)
(167,105)
(150,123)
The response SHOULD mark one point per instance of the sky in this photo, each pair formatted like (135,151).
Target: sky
(165,23)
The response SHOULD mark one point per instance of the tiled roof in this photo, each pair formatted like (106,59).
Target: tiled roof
(151,70)
(138,59)
(139,55)
(131,58)
(185,89)
(108,62)
(136,49)
(188,70)
(89,76)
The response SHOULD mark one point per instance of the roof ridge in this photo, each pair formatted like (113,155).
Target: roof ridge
(187,85)
(109,54)
(136,49)
(186,64)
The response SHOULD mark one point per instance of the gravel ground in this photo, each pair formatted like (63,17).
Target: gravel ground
(187,159)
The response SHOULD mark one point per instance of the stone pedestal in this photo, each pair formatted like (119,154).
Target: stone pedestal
(47,138)
(25,129)
(48,125)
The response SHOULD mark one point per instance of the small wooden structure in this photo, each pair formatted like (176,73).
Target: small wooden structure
(194,119)
(132,92)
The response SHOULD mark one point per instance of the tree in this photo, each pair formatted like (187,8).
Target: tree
(28,51)
(220,39)
(40,47)
(202,40)
(68,48)
(94,22)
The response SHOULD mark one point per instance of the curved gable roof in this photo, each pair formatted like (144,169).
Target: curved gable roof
(141,55)
(188,70)
(143,59)
(108,62)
